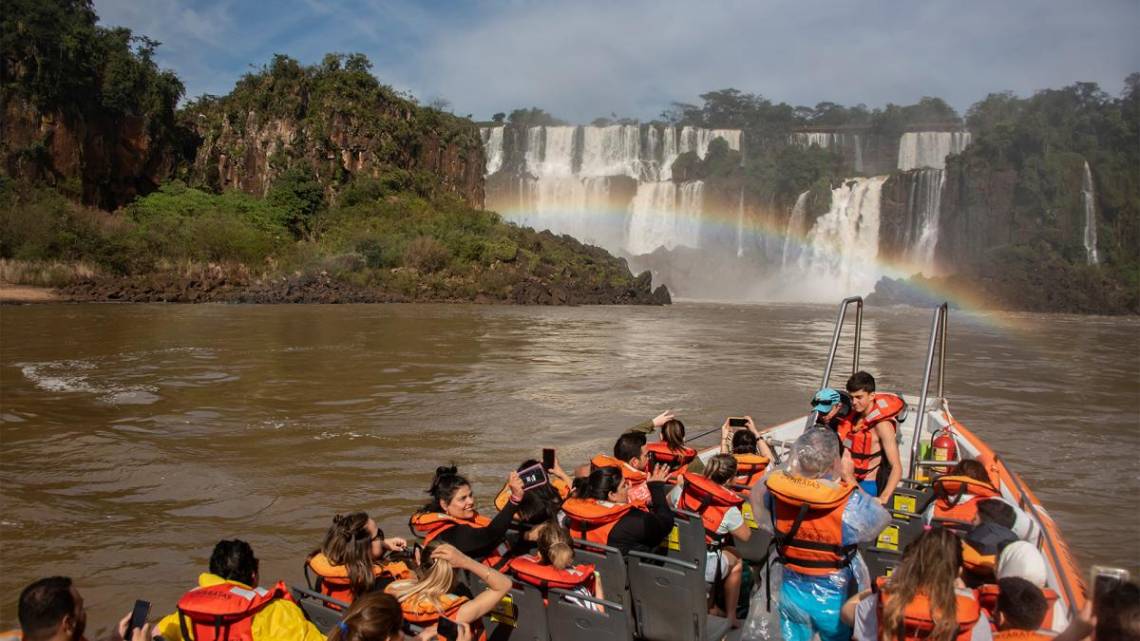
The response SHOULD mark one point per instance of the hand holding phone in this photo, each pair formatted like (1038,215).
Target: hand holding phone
(1104,580)
(137,619)
(447,629)
(532,477)
(548,458)
(737,421)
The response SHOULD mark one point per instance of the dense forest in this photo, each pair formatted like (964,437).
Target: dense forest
(303,183)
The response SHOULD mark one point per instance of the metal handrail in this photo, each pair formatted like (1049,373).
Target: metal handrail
(937,338)
(847,302)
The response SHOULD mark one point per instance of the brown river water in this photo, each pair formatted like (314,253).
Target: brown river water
(135,436)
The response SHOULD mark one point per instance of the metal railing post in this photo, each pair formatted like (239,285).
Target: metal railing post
(839,320)
(937,336)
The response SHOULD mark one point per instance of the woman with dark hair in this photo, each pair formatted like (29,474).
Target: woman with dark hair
(671,449)
(923,598)
(350,561)
(451,517)
(377,617)
(750,450)
(603,513)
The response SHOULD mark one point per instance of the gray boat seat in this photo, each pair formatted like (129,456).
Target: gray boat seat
(911,497)
(573,621)
(316,608)
(755,549)
(610,566)
(520,616)
(880,562)
(687,540)
(670,599)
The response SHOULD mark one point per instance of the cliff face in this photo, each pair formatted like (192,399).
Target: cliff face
(101,160)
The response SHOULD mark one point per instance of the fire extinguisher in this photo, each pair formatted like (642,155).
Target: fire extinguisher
(943,448)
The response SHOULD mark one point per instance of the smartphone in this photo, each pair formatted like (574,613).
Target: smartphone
(447,629)
(737,421)
(1104,579)
(532,477)
(138,617)
(547,458)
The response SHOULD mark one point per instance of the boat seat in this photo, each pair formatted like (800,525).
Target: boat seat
(520,616)
(687,540)
(570,621)
(610,566)
(670,599)
(880,562)
(323,611)
(755,549)
(911,497)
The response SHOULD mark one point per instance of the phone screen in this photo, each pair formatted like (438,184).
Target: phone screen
(533,476)
(737,422)
(548,458)
(1105,579)
(447,629)
(138,617)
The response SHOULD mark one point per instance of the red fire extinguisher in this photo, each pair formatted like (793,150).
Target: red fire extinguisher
(943,448)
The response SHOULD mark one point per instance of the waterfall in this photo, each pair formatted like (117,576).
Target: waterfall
(928,149)
(792,242)
(664,214)
(839,258)
(492,148)
(1088,196)
(925,208)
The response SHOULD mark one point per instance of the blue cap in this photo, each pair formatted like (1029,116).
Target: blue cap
(824,400)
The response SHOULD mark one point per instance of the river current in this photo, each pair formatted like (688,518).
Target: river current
(133,437)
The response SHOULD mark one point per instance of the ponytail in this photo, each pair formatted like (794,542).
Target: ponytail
(554,545)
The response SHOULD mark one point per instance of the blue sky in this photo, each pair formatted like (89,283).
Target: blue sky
(582,59)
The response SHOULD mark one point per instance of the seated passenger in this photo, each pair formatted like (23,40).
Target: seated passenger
(631,459)
(450,516)
(819,516)
(1021,610)
(376,616)
(350,561)
(431,594)
(671,449)
(719,508)
(957,494)
(751,452)
(50,609)
(873,437)
(604,513)
(554,492)
(916,598)
(552,566)
(834,411)
(1024,561)
(227,604)
(982,544)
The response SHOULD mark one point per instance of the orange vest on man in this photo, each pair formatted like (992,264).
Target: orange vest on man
(807,516)
(638,480)
(861,439)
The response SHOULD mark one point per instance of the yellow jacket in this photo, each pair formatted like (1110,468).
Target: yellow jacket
(281,620)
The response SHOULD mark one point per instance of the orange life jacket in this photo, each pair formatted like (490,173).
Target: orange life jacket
(711,500)
(662,454)
(504,494)
(332,580)
(592,519)
(749,468)
(638,480)
(530,569)
(861,439)
(807,519)
(1024,635)
(917,619)
(957,497)
(988,597)
(224,611)
(424,613)
(431,524)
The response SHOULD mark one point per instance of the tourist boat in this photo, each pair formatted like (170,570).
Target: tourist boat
(663,596)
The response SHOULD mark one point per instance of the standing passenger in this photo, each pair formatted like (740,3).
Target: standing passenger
(873,440)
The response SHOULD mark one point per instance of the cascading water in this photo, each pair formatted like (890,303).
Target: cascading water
(492,148)
(1088,196)
(925,207)
(665,215)
(928,149)
(792,242)
(841,251)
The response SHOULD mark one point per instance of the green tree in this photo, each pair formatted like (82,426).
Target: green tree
(300,198)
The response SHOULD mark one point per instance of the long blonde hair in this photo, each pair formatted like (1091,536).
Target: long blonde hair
(929,566)
(554,545)
(434,578)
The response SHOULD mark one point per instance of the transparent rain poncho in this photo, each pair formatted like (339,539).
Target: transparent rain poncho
(802,604)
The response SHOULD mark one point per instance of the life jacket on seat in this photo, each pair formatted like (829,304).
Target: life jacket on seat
(988,598)
(861,439)
(591,519)
(638,480)
(749,469)
(956,499)
(918,622)
(807,520)
(530,569)
(332,580)
(675,460)
(432,524)
(224,611)
(711,500)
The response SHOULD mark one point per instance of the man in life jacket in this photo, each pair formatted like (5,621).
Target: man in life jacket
(227,604)
(982,544)
(631,458)
(1021,609)
(833,410)
(817,515)
(872,439)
